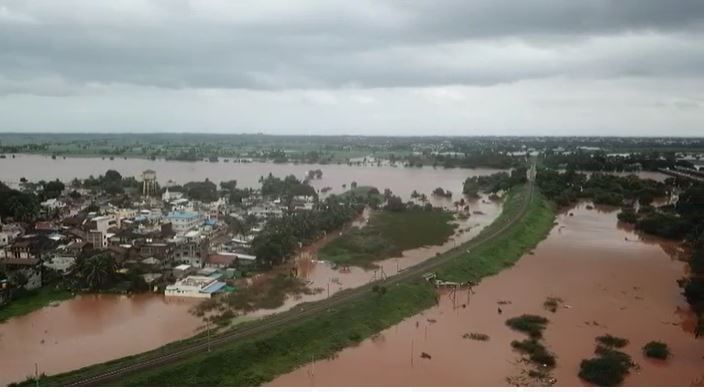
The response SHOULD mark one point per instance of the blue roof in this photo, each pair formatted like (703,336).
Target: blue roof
(214,287)
(182,214)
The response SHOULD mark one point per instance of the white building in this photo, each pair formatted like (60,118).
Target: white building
(184,221)
(60,264)
(169,196)
(194,287)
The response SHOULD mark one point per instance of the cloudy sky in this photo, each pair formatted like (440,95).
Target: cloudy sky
(488,67)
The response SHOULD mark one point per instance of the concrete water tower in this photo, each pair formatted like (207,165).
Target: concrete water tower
(149,183)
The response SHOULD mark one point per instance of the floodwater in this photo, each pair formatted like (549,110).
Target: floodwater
(90,329)
(325,280)
(401,180)
(611,280)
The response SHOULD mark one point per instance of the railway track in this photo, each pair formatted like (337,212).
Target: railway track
(300,313)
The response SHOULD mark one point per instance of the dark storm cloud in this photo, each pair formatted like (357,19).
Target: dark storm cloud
(56,48)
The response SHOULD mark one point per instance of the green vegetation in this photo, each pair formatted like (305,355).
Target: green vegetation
(528,323)
(492,256)
(607,370)
(266,292)
(494,182)
(205,191)
(611,341)
(567,187)
(112,183)
(533,326)
(281,236)
(655,349)
(600,161)
(33,300)
(610,366)
(388,234)
(536,351)
(258,360)
(20,206)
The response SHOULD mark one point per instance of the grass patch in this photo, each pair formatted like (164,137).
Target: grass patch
(32,301)
(611,341)
(657,350)
(528,323)
(388,234)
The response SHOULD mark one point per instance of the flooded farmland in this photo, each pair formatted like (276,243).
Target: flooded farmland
(610,279)
(401,180)
(90,329)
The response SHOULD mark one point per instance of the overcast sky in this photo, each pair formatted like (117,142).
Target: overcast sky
(562,67)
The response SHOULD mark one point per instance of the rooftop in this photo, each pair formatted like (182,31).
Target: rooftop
(182,215)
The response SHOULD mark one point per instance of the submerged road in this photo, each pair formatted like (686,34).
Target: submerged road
(176,352)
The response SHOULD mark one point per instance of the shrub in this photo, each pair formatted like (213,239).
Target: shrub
(551,304)
(612,341)
(537,352)
(607,370)
(655,349)
(476,336)
(530,324)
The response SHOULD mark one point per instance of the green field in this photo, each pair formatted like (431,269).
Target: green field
(388,234)
(33,301)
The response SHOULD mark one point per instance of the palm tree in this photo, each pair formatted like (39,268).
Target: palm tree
(95,272)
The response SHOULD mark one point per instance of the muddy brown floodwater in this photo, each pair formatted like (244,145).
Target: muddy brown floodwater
(611,280)
(401,180)
(90,329)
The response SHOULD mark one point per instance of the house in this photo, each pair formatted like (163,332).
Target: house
(191,248)
(182,270)
(5,238)
(151,261)
(220,261)
(22,272)
(97,238)
(184,221)
(149,278)
(60,264)
(194,287)
(45,226)
(241,259)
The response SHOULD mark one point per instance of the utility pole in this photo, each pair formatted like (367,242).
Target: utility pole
(412,352)
(208,326)
(36,374)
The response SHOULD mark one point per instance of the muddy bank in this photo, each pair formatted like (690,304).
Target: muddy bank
(610,279)
(89,329)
